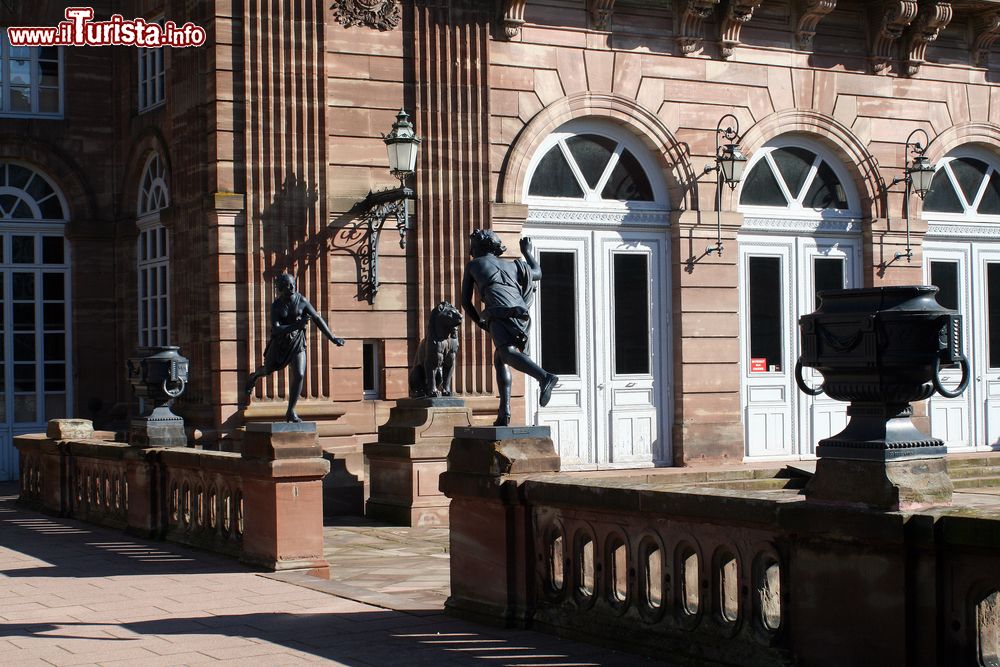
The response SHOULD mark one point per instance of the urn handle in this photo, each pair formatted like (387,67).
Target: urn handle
(806,389)
(947,393)
(174,393)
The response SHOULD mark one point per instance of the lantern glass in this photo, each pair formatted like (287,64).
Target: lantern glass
(921,173)
(733,163)
(401,144)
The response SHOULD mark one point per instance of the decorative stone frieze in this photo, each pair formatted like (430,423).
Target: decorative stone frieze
(738,13)
(375,14)
(513,17)
(931,20)
(811,13)
(987,29)
(600,13)
(890,19)
(693,15)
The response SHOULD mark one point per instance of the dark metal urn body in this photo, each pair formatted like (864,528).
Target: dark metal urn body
(158,375)
(881,349)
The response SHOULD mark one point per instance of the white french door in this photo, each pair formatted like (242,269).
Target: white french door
(780,277)
(34,338)
(600,323)
(968,279)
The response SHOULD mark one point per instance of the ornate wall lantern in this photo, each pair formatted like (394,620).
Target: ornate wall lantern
(402,145)
(730,163)
(917,178)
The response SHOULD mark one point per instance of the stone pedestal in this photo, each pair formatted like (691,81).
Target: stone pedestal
(409,457)
(881,460)
(161,428)
(283,497)
(489,519)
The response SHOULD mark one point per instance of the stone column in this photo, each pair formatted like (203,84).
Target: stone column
(283,498)
(489,522)
(409,457)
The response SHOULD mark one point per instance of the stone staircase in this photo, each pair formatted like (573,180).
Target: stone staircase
(974,471)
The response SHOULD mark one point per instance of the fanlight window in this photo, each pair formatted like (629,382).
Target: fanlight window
(796,178)
(153,193)
(27,195)
(593,168)
(966,186)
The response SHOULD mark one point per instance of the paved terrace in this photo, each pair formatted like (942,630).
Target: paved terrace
(76,594)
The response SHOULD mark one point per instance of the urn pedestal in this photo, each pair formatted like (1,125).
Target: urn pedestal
(881,349)
(158,375)
(409,457)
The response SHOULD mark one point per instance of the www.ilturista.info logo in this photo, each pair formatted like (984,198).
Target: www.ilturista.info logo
(79,29)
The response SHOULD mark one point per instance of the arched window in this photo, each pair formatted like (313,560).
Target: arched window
(153,255)
(799,177)
(590,164)
(966,185)
(27,195)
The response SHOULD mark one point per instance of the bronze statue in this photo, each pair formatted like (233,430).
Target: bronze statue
(290,313)
(506,289)
(434,367)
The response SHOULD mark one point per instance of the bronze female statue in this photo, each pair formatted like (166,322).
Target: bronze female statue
(290,313)
(506,289)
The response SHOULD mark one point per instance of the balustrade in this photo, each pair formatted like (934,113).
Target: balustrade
(220,501)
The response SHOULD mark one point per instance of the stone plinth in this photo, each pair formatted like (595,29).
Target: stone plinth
(489,518)
(409,457)
(283,497)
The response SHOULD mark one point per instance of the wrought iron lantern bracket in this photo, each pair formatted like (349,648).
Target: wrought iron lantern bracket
(728,166)
(916,179)
(374,210)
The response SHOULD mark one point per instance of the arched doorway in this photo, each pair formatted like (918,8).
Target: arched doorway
(598,213)
(800,235)
(35,331)
(962,258)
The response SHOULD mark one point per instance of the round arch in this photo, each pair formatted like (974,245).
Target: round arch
(986,134)
(849,149)
(671,154)
(150,141)
(60,168)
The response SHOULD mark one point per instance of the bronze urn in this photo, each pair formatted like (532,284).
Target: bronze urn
(158,375)
(880,349)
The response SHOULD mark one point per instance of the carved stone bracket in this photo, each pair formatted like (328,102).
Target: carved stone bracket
(987,29)
(376,14)
(693,14)
(892,18)
(931,20)
(738,13)
(811,13)
(600,13)
(513,17)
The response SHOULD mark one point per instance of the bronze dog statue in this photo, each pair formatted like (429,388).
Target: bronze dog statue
(434,367)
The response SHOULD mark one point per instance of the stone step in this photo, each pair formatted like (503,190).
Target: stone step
(975,482)
(774,484)
(973,471)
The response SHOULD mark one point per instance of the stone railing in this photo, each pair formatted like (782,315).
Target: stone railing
(703,576)
(264,506)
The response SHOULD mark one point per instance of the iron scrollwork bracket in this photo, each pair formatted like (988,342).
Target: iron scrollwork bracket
(375,210)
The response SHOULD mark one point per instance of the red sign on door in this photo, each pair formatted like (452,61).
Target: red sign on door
(758,364)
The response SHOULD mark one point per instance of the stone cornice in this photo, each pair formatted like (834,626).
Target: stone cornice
(513,17)
(891,18)
(987,30)
(600,13)
(738,13)
(931,20)
(811,13)
(692,15)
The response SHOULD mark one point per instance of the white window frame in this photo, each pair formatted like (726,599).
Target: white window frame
(795,210)
(964,224)
(153,256)
(36,81)
(152,88)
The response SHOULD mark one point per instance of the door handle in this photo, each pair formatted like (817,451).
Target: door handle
(630,384)
(600,387)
